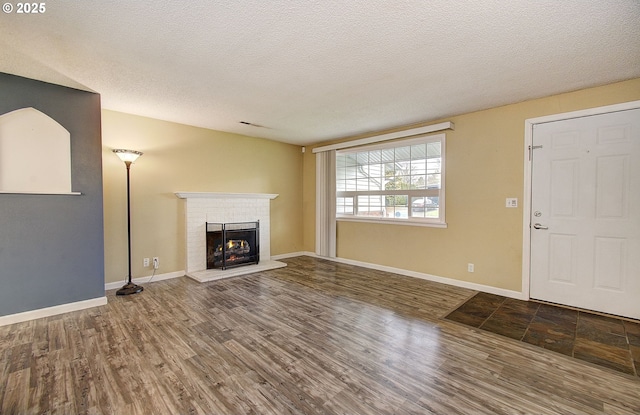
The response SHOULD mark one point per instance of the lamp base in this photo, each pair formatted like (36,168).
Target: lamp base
(129,288)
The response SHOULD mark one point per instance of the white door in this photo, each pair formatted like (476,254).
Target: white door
(585,213)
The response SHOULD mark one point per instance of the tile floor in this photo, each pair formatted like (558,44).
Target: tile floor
(601,340)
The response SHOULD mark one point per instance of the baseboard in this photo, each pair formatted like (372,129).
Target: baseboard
(145,280)
(52,311)
(444,280)
(290,255)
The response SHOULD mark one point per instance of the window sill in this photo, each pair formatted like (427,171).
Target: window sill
(393,222)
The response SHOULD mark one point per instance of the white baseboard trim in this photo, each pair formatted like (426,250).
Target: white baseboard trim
(52,311)
(145,280)
(291,255)
(444,280)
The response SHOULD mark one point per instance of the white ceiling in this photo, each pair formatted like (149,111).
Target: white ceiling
(314,70)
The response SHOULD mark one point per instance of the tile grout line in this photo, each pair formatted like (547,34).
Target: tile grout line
(575,336)
(529,324)
(492,313)
(633,363)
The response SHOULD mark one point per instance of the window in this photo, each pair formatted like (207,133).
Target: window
(402,181)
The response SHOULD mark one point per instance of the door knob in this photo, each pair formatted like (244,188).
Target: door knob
(539,226)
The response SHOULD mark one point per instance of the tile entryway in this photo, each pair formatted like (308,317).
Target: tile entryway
(606,341)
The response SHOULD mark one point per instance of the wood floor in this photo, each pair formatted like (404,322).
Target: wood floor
(316,337)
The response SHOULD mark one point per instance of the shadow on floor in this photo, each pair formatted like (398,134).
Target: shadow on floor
(606,341)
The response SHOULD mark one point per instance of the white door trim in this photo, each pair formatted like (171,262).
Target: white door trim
(526,198)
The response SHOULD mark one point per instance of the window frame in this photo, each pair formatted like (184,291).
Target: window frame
(439,222)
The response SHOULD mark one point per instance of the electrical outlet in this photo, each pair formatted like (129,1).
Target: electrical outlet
(156,262)
(470,267)
(145,262)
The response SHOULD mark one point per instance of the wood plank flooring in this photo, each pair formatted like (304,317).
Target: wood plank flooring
(316,337)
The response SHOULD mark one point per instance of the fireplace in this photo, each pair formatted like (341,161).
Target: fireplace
(201,208)
(232,244)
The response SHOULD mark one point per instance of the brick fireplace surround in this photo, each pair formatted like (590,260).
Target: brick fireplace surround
(201,207)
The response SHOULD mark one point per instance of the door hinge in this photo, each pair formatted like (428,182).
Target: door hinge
(531,148)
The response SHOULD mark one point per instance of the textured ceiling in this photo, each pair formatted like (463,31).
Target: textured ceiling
(310,71)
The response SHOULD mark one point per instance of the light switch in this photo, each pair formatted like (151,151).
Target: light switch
(512,202)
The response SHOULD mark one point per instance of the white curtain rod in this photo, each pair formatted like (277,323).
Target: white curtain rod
(448,125)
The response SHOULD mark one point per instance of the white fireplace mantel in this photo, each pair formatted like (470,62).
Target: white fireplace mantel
(203,207)
(212,195)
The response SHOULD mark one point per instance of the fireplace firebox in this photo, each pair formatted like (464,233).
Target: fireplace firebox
(232,244)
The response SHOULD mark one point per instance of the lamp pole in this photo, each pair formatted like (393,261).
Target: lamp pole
(128,156)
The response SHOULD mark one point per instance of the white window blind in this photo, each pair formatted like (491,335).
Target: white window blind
(401,181)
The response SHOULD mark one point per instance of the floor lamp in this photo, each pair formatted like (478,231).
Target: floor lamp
(128,156)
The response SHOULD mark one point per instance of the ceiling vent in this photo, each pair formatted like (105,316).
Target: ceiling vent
(251,124)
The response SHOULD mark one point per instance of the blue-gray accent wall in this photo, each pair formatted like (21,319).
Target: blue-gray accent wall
(52,246)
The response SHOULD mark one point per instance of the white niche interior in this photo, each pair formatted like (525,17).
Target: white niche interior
(35,154)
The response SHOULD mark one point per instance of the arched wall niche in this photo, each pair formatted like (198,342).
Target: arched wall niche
(35,153)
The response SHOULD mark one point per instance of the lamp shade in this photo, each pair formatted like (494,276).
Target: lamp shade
(127,155)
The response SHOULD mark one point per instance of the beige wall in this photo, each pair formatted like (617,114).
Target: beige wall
(183,158)
(484,166)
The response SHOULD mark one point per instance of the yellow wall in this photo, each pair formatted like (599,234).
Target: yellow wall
(484,166)
(183,158)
